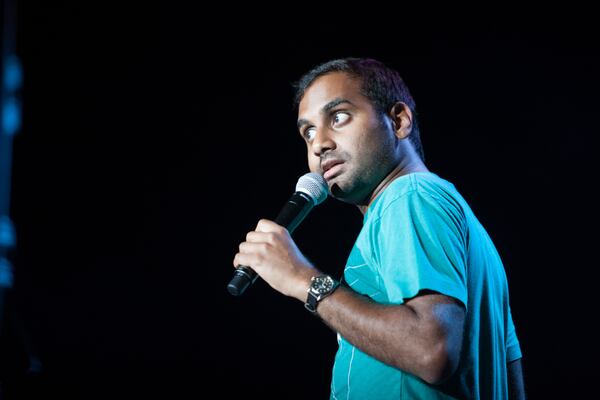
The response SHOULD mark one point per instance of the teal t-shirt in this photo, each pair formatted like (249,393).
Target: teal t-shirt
(420,234)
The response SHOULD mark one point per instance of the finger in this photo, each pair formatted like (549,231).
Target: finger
(265,225)
(260,237)
(253,248)
(248,260)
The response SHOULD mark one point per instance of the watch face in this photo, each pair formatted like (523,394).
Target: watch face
(321,287)
(322,284)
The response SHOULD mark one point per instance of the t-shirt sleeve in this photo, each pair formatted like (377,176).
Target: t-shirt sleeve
(513,348)
(421,245)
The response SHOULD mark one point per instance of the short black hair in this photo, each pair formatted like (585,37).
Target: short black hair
(382,85)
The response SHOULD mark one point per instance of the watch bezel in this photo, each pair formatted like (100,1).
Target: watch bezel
(320,287)
(322,284)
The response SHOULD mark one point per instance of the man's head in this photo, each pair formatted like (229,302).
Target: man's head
(356,116)
(383,86)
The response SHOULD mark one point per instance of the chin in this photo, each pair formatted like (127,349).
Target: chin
(343,194)
(352,191)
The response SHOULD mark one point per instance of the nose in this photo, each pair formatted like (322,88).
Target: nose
(322,142)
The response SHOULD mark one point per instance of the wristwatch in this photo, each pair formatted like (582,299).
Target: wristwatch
(320,287)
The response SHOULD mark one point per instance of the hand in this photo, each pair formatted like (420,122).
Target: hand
(270,251)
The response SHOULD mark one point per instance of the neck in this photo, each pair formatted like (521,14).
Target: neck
(404,167)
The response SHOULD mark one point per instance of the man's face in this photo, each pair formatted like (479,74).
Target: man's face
(347,141)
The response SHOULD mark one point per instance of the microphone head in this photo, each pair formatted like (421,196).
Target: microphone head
(314,185)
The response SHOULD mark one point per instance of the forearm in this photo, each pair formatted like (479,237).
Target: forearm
(422,337)
(394,334)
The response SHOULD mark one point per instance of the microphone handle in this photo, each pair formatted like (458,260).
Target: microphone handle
(290,216)
(242,279)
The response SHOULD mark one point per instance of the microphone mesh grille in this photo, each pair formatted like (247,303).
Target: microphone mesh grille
(313,185)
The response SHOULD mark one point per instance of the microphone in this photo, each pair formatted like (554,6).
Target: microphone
(311,190)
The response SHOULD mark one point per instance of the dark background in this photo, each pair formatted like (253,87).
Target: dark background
(155,136)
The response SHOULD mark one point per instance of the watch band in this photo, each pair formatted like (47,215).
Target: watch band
(311,303)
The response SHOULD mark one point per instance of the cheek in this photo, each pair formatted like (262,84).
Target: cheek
(313,163)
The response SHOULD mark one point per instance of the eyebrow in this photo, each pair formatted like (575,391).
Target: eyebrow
(325,109)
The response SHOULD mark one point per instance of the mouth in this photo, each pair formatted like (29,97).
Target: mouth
(331,168)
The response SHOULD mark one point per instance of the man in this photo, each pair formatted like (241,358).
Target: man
(423,312)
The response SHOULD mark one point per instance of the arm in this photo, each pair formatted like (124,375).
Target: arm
(516,385)
(422,336)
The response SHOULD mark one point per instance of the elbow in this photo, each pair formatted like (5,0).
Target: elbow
(438,365)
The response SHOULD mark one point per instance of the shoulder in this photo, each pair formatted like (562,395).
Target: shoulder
(423,189)
(419,201)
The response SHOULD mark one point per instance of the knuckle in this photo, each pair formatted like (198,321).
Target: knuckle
(261,223)
(264,247)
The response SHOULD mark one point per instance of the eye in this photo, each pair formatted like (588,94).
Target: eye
(340,118)
(309,133)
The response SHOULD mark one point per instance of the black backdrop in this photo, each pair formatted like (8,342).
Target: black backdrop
(154,137)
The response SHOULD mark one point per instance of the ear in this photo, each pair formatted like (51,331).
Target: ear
(401,118)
